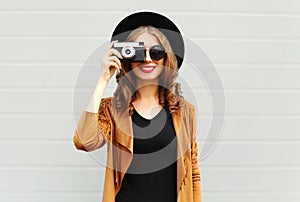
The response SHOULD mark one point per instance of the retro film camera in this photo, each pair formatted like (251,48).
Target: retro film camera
(131,51)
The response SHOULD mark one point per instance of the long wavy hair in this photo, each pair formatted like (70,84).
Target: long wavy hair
(169,90)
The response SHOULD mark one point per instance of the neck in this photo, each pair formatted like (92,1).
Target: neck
(148,92)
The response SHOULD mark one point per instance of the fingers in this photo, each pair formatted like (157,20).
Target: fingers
(113,56)
(112,61)
(111,44)
(113,51)
(114,64)
(116,60)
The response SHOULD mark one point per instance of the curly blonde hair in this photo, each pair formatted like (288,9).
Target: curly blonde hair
(169,92)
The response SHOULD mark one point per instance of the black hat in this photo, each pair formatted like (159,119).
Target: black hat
(158,21)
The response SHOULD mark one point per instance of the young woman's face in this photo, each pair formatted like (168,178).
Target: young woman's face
(150,69)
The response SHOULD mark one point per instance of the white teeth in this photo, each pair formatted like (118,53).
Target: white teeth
(147,67)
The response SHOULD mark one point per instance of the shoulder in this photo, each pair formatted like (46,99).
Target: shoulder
(106,101)
(187,106)
(188,110)
(105,105)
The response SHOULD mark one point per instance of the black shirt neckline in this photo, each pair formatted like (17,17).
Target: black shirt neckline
(161,110)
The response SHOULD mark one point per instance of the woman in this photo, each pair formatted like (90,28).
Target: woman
(149,128)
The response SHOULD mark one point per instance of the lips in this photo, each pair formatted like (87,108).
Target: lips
(147,69)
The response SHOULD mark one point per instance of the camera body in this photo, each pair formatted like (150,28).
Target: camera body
(131,51)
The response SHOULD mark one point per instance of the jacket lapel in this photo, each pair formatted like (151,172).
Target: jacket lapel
(177,118)
(124,145)
(124,132)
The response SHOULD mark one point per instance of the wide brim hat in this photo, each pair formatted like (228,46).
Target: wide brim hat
(162,23)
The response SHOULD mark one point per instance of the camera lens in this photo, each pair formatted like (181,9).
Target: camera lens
(128,52)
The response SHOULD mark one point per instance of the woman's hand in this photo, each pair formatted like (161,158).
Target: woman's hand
(111,62)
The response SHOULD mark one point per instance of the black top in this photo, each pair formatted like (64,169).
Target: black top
(152,174)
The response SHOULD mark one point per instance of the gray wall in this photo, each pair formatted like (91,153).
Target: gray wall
(256,51)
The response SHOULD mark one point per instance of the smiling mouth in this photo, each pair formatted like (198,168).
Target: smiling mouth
(147,69)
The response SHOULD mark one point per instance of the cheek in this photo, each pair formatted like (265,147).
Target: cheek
(161,62)
(135,65)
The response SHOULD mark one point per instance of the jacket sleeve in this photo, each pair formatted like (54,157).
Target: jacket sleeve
(93,130)
(197,196)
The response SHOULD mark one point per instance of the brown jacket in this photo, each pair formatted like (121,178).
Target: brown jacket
(94,130)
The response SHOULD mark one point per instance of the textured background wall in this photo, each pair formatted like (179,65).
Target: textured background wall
(254,45)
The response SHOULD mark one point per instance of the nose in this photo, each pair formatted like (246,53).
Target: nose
(147,56)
